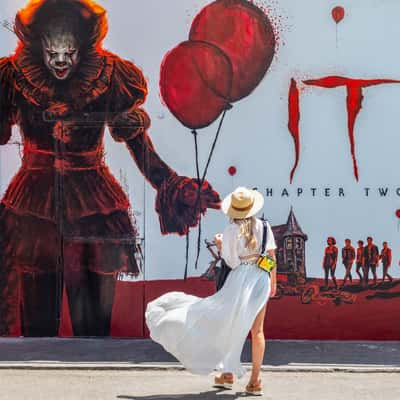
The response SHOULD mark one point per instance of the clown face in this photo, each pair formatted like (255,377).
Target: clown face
(60,53)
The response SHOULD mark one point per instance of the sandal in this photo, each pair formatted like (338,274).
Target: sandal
(254,389)
(224,381)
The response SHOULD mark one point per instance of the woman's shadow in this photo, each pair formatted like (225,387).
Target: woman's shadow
(210,395)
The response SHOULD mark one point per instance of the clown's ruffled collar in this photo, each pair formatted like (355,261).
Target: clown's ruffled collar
(89,81)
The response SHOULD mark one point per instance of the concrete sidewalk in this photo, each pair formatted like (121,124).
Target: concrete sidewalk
(181,385)
(134,354)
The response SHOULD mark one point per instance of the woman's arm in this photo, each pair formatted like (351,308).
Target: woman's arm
(271,248)
(272,254)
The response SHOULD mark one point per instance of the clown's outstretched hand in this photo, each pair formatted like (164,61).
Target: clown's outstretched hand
(180,205)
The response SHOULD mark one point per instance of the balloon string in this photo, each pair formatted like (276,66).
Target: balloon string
(198,244)
(196,147)
(187,256)
(200,182)
(337,36)
(215,143)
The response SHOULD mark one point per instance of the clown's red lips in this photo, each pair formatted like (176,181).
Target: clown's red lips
(61,72)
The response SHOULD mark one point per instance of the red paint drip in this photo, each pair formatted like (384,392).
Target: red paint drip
(354,101)
(354,104)
(294,119)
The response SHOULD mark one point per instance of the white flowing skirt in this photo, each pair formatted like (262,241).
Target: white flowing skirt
(207,334)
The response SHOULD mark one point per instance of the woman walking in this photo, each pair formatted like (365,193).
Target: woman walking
(208,334)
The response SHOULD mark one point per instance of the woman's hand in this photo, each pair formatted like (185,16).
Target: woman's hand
(218,241)
(273,289)
(273,276)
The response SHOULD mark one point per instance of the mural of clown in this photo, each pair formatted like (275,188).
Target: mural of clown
(64,218)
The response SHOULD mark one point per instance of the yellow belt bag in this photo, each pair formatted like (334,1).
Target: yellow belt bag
(265,262)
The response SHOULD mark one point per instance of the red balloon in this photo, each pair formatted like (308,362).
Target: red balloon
(195,82)
(338,14)
(398,213)
(245,34)
(232,171)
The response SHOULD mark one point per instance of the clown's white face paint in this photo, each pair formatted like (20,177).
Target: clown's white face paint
(60,53)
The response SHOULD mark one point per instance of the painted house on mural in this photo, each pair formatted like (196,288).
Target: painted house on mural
(291,251)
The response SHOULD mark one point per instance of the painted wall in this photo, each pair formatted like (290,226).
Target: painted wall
(256,140)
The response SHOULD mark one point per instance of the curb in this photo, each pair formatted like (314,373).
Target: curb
(312,368)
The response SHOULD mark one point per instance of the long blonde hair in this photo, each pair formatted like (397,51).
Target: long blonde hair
(246,230)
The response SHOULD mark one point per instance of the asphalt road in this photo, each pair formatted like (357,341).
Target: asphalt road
(180,385)
(299,355)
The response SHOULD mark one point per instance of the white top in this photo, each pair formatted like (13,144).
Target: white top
(233,246)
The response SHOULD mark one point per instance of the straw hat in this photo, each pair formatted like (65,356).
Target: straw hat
(242,203)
